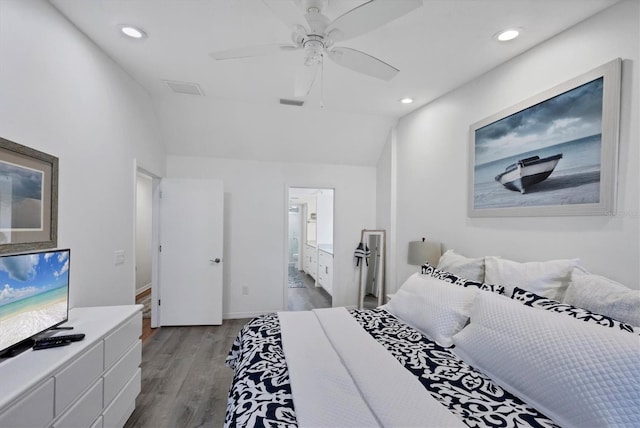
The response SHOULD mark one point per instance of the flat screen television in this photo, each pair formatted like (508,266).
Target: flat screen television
(34,296)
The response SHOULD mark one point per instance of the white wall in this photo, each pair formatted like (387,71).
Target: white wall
(255,224)
(432,147)
(385,208)
(63,96)
(324,210)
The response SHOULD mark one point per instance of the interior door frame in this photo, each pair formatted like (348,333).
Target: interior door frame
(287,189)
(155,237)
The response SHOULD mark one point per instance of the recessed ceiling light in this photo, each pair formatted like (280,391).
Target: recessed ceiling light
(133,32)
(506,35)
(406,100)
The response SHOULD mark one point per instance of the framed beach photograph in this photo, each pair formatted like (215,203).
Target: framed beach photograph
(554,154)
(28,198)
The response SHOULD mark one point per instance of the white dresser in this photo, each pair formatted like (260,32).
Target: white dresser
(92,383)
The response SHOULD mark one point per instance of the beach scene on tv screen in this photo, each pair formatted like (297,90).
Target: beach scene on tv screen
(33,294)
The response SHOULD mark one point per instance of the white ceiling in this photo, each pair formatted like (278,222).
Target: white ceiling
(437,47)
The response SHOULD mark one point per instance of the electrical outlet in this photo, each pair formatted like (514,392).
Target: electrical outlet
(245,290)
(118,257)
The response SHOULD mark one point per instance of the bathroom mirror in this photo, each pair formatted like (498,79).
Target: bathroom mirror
(372,272)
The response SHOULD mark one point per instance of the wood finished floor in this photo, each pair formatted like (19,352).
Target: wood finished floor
(309,297)
(184,380)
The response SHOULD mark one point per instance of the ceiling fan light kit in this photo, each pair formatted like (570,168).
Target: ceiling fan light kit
(315,34)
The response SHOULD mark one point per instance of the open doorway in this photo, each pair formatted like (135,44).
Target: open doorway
(143,246)
(309,245)
(146,186)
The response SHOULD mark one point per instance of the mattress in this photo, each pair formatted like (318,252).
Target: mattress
(261,392)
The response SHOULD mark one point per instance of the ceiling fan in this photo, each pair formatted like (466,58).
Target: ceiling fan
(316,35)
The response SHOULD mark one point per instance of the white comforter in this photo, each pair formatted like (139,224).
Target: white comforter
(340,376)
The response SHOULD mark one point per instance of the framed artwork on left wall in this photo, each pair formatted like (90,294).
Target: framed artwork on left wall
(28,198)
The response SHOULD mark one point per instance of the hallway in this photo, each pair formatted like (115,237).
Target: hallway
(303,295)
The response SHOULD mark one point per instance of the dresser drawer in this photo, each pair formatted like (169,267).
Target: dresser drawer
(64,387)
(118,376)
(85,411)
(77,376)
(117,343)
(34,410)
(123,405)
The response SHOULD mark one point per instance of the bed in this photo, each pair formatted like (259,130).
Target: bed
(449,350)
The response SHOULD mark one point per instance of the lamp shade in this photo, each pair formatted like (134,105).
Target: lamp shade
(424,251)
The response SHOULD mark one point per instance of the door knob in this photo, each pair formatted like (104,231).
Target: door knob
(216,260)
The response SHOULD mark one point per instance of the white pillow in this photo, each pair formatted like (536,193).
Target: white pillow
(576,373)
(549,279)
(604,296)
(465,267)
(432,306)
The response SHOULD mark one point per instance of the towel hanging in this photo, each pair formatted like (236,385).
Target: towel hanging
(362,251)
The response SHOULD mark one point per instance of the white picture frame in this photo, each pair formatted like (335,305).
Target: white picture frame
(576,165)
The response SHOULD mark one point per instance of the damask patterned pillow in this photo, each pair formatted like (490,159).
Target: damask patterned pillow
(429,270)
(531,299)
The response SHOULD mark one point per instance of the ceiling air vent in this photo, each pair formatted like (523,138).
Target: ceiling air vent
(184,87)
(288,102)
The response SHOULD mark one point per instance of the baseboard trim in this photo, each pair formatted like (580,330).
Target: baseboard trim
(143,291)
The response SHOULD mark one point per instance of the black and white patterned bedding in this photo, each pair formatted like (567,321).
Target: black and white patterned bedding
(260,394)
(429,270)
(531,299)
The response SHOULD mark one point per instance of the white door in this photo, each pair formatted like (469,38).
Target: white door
(191,232)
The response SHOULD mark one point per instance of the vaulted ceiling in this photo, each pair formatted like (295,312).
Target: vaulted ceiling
(347,116)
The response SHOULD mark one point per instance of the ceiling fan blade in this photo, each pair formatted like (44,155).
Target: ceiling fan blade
(251,51)
(369,16)
(288,11)
(362,63)
(305,76)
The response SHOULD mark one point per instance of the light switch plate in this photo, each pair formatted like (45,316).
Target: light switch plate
(118,257)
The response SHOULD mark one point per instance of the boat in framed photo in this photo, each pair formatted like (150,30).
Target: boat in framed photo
(525,173)
(559,148)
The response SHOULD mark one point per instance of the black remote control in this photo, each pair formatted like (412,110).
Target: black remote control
(37,345)
(64,338)
(69,337)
